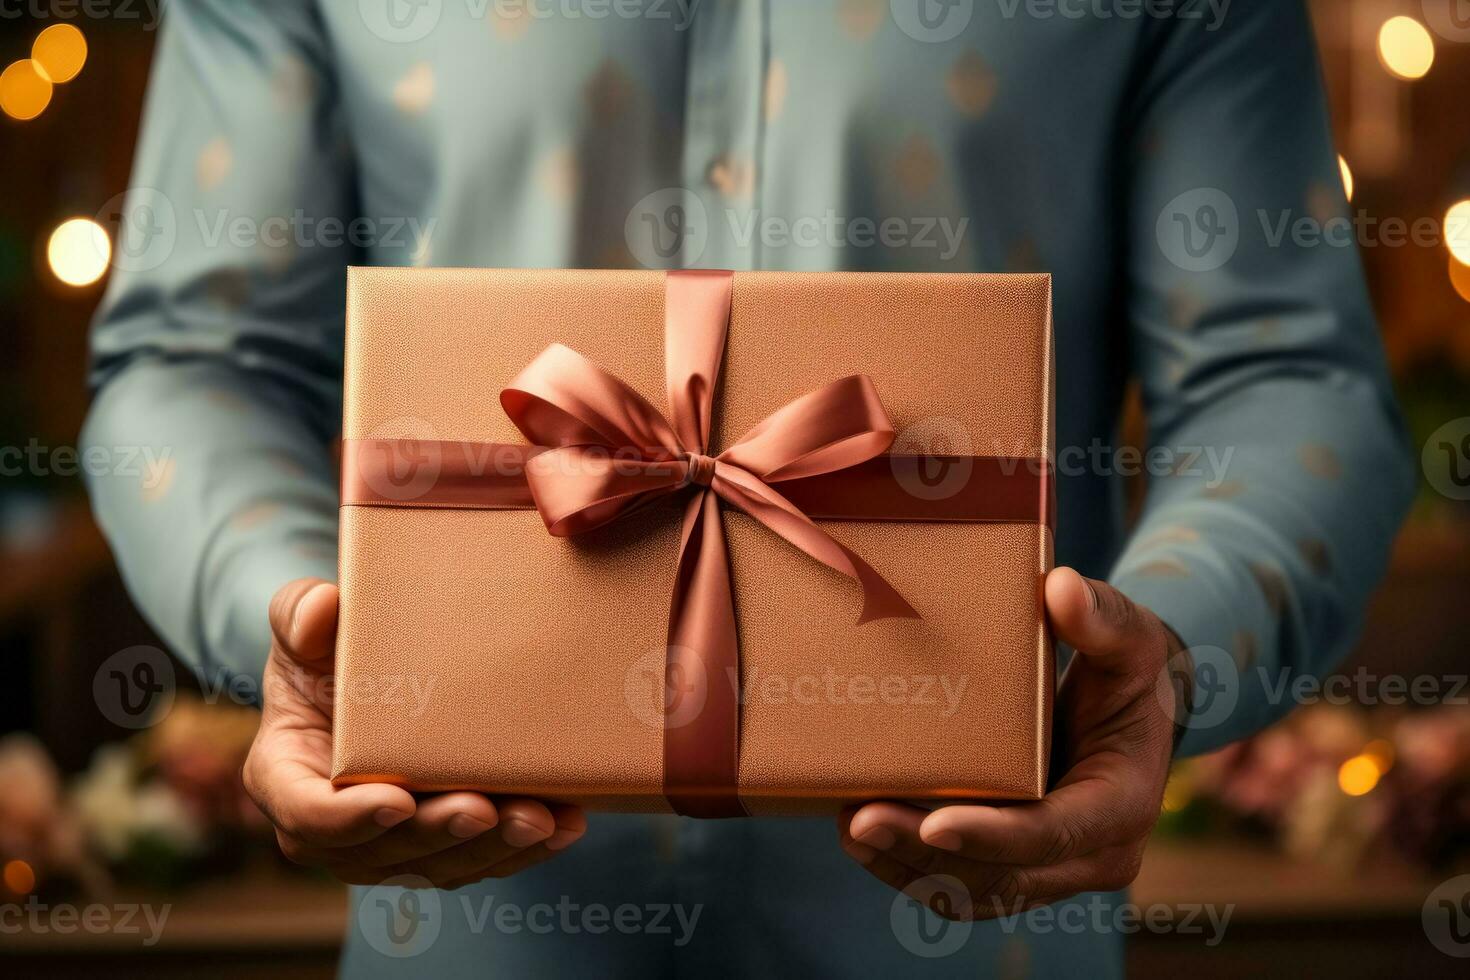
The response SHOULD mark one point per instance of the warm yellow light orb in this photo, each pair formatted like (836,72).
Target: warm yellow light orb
(24,91)
(59,52)
(1405,47)
(1460,279)
(1347,176)
(79,251)
(1457,231)
(1358,775)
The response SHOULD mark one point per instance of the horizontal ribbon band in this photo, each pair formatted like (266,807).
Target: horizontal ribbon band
(892,487)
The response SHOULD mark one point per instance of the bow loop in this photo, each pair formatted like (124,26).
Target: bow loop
(837,426)
(563,399)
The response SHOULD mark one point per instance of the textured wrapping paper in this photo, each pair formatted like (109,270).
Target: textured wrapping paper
(478,651)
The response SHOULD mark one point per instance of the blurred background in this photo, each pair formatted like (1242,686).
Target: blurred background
(1328,834)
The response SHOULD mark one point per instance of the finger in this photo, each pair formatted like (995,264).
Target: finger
(306,807)
(303,617)
(571,825)
(440,822)
(1099,621)
(1018,890)
(523,823)
(1075,819)
(893,829)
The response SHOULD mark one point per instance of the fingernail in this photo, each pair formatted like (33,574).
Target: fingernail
(464,826)
(518,833)
(945,840)
(879,838)
(388,817)
(862,853)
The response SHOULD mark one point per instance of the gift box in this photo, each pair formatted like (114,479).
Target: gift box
(721,544)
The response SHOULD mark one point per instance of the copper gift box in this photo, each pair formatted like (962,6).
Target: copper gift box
(479,650)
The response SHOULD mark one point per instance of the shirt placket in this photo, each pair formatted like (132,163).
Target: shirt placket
(728,51)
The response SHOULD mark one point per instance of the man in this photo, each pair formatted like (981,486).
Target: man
(1129,155)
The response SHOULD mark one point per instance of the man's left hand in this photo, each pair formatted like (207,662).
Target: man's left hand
(1115,732)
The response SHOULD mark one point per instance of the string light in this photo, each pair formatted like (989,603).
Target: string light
(1347,176)
(19,878)
(24,91)
(59,52)
(1406,48)
(79,251)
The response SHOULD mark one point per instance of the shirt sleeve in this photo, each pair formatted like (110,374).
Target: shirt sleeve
(1262,373)
(217,350)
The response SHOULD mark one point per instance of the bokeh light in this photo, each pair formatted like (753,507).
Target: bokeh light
(1457,231)
(19,878)
(59,52)
(79,251)
(24,91)
(1460,278)
(1406,48)
(1359,775)
(1347,176)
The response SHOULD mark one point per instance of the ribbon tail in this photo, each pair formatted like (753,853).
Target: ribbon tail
(702,706)
(756,498)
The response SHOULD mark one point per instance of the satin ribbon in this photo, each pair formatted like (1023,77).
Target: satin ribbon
(599,451)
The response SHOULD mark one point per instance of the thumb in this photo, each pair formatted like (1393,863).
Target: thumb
(1101,623)
(303,618)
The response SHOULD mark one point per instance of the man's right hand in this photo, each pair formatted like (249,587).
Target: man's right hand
(368,833)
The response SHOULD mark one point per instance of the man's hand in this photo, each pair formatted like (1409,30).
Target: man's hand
(1115,732)
(366,834)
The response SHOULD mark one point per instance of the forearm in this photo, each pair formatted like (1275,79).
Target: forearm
(1269,555)
(238,500)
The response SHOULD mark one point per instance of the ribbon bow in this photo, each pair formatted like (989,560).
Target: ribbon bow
(612,452)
